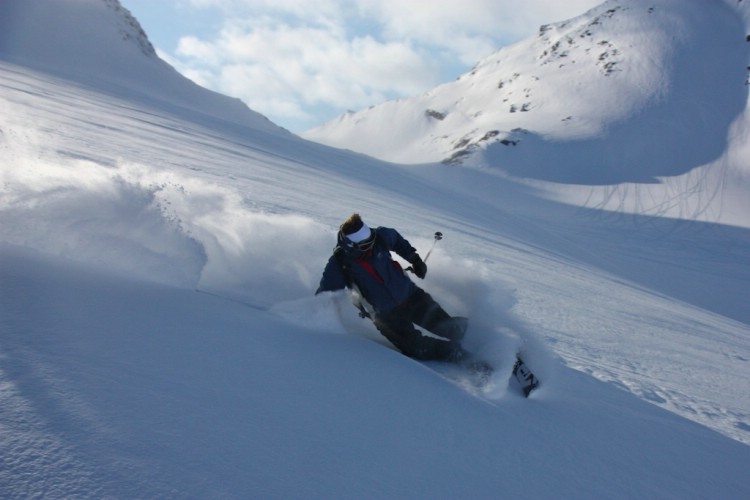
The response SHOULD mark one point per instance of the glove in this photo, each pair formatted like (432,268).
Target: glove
(419,267)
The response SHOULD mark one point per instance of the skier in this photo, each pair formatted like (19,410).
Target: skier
(362,262)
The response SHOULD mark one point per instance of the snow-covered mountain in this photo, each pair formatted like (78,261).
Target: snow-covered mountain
(573,80)
(100,44)
(629,92)
(159,336)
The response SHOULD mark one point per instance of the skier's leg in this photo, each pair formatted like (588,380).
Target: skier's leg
(428,314)
(401,333)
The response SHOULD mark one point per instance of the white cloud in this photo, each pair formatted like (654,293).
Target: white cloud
(268,61)
(284,56)
(470,29)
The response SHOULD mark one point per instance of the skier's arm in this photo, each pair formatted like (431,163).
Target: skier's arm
(333,277)
(403,248)
(397,243)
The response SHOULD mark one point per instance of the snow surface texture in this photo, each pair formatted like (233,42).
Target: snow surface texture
(159,336)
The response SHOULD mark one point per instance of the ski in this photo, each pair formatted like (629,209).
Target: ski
(525,378)
(477,374)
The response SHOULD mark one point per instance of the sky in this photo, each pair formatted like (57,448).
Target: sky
(303,63)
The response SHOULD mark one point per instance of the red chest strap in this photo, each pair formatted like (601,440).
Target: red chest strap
(368,267)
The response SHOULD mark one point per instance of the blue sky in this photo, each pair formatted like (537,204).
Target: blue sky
(302,63)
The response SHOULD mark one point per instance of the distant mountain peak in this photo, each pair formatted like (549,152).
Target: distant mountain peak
(130,29)
(569,35)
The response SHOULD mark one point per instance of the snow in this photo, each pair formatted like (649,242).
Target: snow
(159,336)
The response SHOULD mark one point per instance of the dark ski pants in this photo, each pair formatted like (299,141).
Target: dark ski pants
(421,309)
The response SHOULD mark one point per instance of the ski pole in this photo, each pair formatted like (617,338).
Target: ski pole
(438,236)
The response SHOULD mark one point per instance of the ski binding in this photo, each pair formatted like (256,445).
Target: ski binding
(525,378)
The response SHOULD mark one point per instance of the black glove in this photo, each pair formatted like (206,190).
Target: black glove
(419,267)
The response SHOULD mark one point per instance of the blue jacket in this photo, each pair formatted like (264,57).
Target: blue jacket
(381,280)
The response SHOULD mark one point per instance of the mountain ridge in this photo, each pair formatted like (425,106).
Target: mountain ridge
(602,83)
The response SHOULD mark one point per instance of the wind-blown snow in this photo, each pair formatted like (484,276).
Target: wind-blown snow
(159,336)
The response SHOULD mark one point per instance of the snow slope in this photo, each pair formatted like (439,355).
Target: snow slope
(129,389)
(159,336)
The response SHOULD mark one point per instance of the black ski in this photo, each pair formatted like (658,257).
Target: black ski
(525,378)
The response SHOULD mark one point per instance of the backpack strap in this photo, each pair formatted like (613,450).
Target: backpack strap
(357,298)
(338,252)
